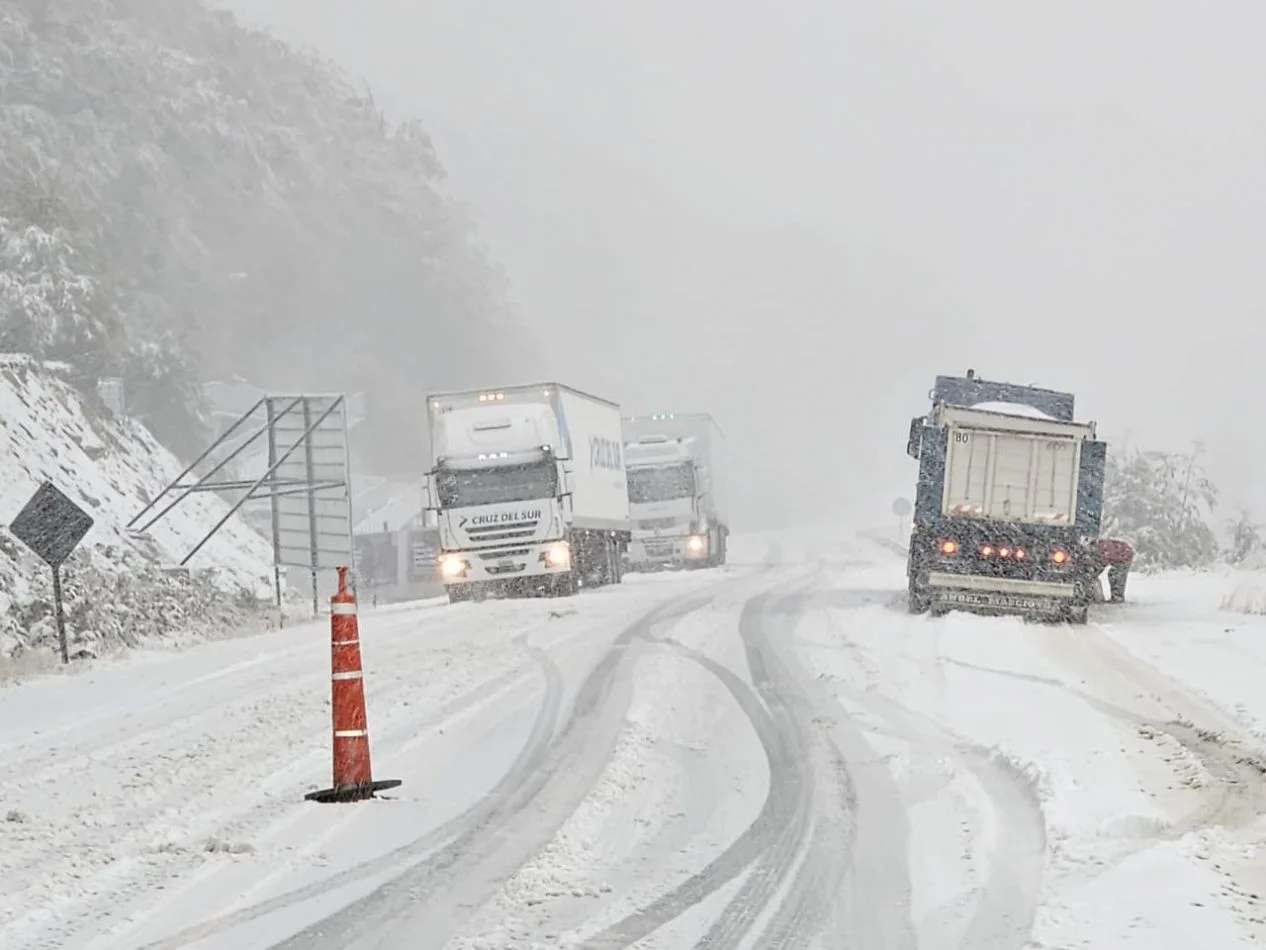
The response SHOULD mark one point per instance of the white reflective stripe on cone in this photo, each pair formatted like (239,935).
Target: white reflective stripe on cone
(345,643)
(342,610)
(350,733)
(354,675)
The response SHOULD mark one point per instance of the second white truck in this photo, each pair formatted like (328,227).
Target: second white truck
(528,489)
(677,497)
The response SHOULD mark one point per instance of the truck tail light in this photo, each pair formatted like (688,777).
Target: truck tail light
(949,546)
(1059,556)
(1004,551)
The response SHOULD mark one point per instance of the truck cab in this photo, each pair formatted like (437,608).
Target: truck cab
(499,491)
(670,525)
(677,486)
(528,490)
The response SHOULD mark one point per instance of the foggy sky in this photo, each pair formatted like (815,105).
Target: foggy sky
(826,205)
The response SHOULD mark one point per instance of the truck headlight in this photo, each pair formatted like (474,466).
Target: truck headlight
(558,555)
(452,566)
(696,544)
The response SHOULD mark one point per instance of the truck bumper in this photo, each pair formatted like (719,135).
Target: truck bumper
(652,554)
(982,593)
(519,568)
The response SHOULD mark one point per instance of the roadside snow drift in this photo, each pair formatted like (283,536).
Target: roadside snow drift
(117,588)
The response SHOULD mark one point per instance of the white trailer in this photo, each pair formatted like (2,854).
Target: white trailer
(677,491)
(528,489)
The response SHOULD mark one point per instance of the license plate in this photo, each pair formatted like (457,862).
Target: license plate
(1003,601)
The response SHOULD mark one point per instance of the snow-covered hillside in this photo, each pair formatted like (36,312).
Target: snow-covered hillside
(119,587)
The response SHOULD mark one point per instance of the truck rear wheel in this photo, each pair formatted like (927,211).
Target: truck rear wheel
(1077,614)
(920,600)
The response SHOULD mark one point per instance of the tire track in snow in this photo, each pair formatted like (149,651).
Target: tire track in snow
(777,840)
(776,813)
(1006,905)
(402,858)
(853,888)
(285,716)
(1217,764)
(432,896)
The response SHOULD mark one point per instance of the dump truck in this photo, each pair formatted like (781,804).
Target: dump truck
(528,491)
(1008,503)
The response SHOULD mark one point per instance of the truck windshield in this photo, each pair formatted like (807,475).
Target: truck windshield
(491,486)
(661,484)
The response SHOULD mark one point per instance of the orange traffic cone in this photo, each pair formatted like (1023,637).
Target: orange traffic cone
(353,778)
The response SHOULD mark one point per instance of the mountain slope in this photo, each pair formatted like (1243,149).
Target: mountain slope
(182,199)
(120,589)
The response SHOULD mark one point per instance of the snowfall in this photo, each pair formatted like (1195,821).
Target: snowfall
(769,754)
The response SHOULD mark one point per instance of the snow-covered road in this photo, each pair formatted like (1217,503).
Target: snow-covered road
(771,755)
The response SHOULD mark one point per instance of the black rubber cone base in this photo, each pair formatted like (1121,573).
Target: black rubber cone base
(352,793)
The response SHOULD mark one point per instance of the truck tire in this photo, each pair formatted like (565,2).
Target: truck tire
(457,593)
(919,601)
(617,561)
(1078,613)
(566,585)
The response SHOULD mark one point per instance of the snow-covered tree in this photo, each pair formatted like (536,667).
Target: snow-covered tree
(1246,545)
(1162,503)
(46,301)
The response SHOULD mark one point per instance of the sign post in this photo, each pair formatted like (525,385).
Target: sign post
(902,508)
(52,526)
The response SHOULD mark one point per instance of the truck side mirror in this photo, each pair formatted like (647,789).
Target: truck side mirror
(569,483)
(914,443)
(427,504)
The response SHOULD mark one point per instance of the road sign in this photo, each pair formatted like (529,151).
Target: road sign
(52,525)
(901,507)
(312,503)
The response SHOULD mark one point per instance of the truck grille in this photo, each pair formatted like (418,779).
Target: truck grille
(519,531)
(498,554)
(652,523)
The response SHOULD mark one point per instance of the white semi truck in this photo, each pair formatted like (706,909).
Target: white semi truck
(528,490)
(677,497)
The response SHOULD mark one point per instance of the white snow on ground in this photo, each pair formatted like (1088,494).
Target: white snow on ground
(686,777)
(1010,784)
(153,793)
(111,468)
(1244,592)
(1150,833)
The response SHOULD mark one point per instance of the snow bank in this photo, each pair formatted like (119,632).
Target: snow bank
(120,588)
(1247,594)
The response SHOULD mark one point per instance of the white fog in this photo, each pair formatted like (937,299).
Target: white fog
(823,207)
